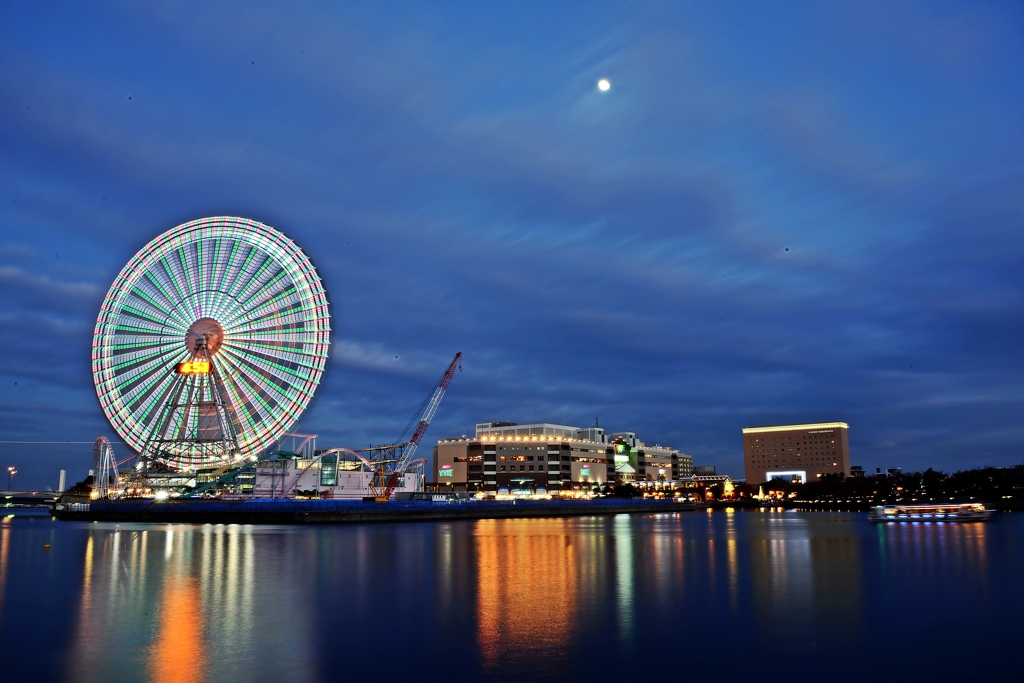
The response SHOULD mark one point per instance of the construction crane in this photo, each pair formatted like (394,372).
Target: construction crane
(396,468)
(387,462)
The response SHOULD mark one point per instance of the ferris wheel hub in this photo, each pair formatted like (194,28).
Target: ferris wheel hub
(208,328)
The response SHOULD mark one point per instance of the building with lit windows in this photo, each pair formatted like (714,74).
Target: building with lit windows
(550,459)
(796,452)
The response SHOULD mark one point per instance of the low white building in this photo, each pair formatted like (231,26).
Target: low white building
(326,477)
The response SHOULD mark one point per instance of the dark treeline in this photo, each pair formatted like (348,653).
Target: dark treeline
(1000,486)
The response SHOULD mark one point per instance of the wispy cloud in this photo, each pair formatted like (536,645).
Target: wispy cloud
(807,214)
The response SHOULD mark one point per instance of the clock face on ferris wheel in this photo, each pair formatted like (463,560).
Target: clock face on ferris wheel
(254,299)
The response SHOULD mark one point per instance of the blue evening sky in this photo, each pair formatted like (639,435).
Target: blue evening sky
(779,212)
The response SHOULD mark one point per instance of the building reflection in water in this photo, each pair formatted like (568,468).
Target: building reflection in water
(168,603)
(540,597)
(807,581)
(623,533)
(5,549)
(732,550)
(531,586)
(178,653)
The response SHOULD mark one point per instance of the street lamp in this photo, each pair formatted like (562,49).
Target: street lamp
(11,471)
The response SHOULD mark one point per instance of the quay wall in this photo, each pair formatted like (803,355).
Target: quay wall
(289,511)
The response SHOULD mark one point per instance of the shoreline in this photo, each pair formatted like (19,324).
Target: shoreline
(289,511)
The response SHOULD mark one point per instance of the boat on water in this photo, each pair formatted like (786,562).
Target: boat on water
(942,512)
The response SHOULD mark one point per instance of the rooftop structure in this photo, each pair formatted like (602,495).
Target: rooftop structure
(505,429)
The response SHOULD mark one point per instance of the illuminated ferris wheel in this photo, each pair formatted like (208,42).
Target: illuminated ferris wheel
(210,343)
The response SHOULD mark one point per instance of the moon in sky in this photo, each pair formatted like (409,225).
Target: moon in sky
(604,85)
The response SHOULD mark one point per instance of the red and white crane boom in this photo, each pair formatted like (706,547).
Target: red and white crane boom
(428,414)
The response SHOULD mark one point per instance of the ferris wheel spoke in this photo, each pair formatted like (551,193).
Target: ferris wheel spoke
(211,249)
(286,363)
(256,281)
(284,315)
(243,398)
(285,295)
(187,277)
(134,365)
(152,404)
(254,267)
(169,302)
(129,352)
(155,293)
(216,273)
(238,276)
(269,388)
(171,275)
(267,290)
(141,378)
(144,302)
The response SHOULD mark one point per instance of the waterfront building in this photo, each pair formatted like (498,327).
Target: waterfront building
(685,465)
(330,476)
(642,463)
(703,484)
(550,459)
(796,452)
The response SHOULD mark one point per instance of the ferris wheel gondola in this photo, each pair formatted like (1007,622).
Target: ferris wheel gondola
(210,343)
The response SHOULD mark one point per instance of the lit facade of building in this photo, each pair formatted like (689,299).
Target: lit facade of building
(549,459)
(804,452)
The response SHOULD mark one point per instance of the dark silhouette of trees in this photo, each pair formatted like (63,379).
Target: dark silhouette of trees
(1003,485)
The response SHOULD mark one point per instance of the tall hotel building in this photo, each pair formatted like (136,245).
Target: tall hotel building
(796,451)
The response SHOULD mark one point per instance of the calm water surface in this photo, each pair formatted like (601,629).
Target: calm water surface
(799,596)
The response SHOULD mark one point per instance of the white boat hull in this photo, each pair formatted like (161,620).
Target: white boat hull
(973,516)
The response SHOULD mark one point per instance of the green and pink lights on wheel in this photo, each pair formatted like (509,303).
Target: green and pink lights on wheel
(258,303)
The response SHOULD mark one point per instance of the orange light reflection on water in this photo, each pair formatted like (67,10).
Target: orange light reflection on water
(527,587)
(178,653)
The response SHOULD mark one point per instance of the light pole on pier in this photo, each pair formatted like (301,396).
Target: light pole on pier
(11,471)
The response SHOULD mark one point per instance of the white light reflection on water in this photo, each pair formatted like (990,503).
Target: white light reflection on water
(563,599)
(733,554)
(5,544)
(167,613)
(622,531)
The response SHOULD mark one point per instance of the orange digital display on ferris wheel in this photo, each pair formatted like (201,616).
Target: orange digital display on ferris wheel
(194,367)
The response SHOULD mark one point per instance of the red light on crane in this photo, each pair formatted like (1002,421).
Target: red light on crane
(194,367)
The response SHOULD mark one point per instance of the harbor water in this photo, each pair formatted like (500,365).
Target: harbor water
(793,595)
